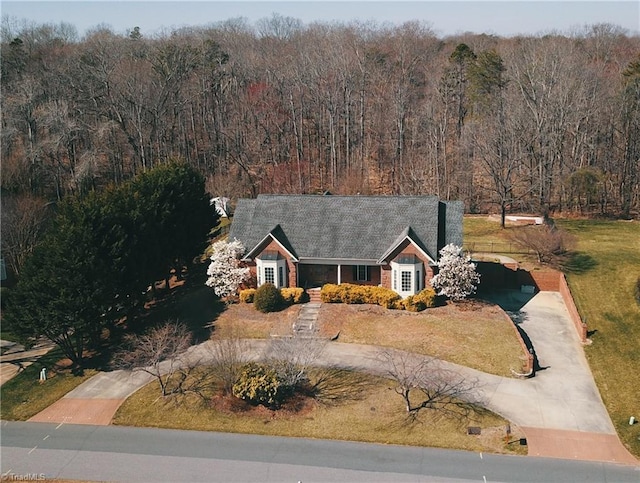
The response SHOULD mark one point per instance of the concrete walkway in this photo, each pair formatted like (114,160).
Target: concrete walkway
(560,409)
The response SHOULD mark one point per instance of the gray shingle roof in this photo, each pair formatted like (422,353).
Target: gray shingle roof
(346,227)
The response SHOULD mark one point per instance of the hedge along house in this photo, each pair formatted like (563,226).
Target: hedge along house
(309,240)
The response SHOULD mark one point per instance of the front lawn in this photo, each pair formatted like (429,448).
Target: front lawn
(354,407)
(471,334)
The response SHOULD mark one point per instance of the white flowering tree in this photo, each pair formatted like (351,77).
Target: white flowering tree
(457,277)
(225,271)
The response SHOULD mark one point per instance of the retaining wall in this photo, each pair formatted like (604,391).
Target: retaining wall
(506,276)
(527,367)
(554,281)
(565,291)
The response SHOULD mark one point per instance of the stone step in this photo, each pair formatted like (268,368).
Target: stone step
(305,325)
(308,318)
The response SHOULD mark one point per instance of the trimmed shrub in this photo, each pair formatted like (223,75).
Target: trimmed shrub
(268,298)
(368,294)
(398,304)
(331,293)
(359,294)
(258,384)
(294,295)
(354,294)
(246,295)
(385,297)
(421,301)
(409,305)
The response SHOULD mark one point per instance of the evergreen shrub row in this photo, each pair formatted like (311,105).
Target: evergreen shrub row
(367,294)
(293,295)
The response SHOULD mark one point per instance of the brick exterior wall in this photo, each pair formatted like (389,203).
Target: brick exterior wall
(385,276)
(379,275)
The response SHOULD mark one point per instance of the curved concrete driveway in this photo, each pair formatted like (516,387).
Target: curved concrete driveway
(560,409)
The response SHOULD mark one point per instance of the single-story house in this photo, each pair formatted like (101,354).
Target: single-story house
(309,240)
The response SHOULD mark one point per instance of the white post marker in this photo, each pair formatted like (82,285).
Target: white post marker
(43,374)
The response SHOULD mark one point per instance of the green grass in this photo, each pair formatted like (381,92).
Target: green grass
(24,396)
(603,288)
(480,229)
(484,234)
(352,406)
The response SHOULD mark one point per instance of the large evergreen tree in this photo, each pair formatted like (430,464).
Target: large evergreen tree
(64,289)
(103,250)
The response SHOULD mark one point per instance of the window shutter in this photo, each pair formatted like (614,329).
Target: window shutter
(354,273)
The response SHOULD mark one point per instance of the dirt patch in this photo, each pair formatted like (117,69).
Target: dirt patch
(498,440)
(296,405)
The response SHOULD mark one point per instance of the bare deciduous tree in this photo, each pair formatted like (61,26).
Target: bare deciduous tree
(23,222)
(292,357)
(424,384)
(159,352)
(289,107)
(550,244)
(228,356)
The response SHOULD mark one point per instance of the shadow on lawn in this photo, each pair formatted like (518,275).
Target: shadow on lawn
(579,262)
(335,386)
(191,303)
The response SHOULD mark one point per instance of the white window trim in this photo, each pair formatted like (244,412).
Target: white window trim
(276,265)
(416,271)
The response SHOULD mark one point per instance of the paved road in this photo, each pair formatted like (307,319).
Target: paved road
(111,453)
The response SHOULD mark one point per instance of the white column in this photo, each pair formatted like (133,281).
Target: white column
(339,270)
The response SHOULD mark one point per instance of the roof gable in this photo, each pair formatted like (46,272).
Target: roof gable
(276,234)
(410,235)
(345,227)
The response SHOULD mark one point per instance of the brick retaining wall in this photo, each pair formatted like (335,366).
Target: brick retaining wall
(581,327)
(495,276)
(554,281)
(528,356)
(546,281)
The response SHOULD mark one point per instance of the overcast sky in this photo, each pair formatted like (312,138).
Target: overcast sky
(504,18)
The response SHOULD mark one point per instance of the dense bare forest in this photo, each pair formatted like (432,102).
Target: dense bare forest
(526,123)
